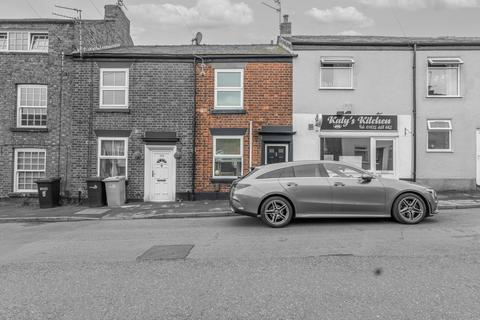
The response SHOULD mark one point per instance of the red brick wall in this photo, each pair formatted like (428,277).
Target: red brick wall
(267,101)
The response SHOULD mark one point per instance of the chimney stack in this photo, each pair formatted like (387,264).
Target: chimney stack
(285,26)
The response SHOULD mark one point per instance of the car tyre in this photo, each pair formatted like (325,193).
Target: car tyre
(409,208)
(276,212)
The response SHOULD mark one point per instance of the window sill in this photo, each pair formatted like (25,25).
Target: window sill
(222,180)
(113,110)
(351,89)
(228,111)
(439,151)
(19,129)
(439,96)
(26,194)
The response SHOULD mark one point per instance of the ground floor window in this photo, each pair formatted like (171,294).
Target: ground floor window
(227,156)
(439,135)
(29,166)
(373,154)
(112,157)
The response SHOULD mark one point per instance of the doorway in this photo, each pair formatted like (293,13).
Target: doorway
(160,173)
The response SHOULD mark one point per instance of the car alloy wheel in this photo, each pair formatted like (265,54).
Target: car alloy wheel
(276,212)
(410,209)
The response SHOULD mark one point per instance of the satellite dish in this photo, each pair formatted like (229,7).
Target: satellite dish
(198,38)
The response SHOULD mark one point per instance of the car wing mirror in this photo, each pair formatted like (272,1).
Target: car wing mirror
(366,178)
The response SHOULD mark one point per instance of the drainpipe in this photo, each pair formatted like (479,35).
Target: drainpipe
(194,124)
(414,110)
(60,113)
(250,146)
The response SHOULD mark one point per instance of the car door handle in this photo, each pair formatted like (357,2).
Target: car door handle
(339,184)
(291,184)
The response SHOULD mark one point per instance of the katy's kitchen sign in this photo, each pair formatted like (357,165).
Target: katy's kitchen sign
(356,122)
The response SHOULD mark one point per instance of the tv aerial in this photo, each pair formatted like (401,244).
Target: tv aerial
(198,38)
(277,6)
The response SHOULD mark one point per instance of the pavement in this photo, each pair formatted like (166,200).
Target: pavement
(29,211)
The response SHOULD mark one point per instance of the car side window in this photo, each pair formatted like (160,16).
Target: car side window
(342,171)
(309,170)
(279,173)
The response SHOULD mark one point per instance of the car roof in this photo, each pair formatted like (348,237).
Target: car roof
(300,162)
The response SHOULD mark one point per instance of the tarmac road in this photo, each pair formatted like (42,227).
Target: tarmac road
(240,269)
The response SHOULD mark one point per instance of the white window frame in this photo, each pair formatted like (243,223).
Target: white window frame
(125,88)
(231,89)
(438,63)
(349,61)
(30,34)
(99,153)
(449,130)
(226,155)
(6,48)
(19,112)
(16,171)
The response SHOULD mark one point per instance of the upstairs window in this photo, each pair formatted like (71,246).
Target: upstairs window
(3,41)
(336,73)
(444,77)
(114,88)
(229,89)
(24,41)
(32,106)
(439,135)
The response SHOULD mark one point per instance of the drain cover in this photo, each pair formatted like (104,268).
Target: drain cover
(170,252)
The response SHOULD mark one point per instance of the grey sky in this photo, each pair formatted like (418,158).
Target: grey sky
(248,21)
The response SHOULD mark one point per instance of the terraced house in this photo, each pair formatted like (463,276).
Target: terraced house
(35,90)
(243,113)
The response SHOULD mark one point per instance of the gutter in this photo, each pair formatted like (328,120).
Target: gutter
(414,109)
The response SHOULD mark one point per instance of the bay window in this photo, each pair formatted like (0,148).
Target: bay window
(32,106)
(229,88)
(29,166)
(113,88)
(336,73)
(112,157)
(227,156)
(439,135)
(444,77)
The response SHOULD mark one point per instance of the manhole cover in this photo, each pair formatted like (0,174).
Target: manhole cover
(170,252)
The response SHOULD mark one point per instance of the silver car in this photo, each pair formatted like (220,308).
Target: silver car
(277,193)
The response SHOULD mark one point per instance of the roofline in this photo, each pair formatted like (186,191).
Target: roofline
(179,56)
(418,43)
(45,21)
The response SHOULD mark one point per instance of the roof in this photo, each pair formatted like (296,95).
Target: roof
(42,21)
(379,40)
(188,51)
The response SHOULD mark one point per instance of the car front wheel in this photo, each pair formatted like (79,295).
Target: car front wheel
(276,212)
(409,208)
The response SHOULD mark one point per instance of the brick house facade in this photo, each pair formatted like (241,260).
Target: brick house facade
(155,127)
(35,92)
(265,107)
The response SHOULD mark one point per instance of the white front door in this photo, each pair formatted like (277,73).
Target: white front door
(478,156)
(160,174)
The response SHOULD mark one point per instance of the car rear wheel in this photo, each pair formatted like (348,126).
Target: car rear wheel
(276,212)
(409,208)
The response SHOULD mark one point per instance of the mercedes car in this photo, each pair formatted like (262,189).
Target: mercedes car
(278,193)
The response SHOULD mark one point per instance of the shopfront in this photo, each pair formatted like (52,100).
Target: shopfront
(381,144)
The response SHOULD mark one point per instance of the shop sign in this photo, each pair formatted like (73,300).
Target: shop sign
(358,122)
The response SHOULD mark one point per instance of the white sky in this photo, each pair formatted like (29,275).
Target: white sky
(248,21)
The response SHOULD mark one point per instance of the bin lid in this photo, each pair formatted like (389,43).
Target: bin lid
(95,179)
(46,180)
(116,178)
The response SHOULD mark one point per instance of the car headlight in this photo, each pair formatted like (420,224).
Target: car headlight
(432,192)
